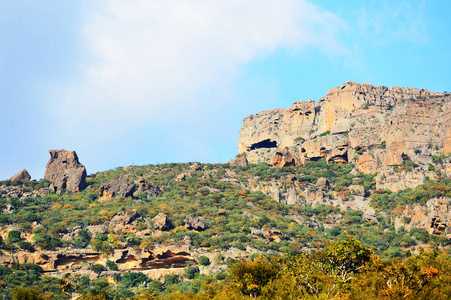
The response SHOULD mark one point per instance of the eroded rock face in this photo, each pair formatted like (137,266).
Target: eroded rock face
(435,217)
(22,175)
(372,126)
(284,158)
(65,171)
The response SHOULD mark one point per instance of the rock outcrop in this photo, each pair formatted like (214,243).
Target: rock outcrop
(125,187)
(162,222)
(371,126)
(116,189)
(239,161)
(146,187)
(192,222)
(22,175)
(65,171)
(435,217)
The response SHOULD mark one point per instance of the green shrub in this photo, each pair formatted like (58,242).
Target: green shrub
(204,261)
(171,279)
(13,236)
(111,265)
(98,268)
(325,133)
(133,279)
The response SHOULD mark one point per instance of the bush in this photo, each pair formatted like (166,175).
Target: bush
(204,261)
(111,265)
(45,241)
(250,277)
(83,239)
(97,268)
(23,293)
(13,236)
(25,246)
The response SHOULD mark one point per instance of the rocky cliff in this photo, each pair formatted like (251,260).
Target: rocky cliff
(371,126)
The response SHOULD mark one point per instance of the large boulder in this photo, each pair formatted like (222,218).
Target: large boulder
(116,189)
(239,161)
(23,175)
(162,222)
(147,188)
(65,171)
(124,222)
(192,222)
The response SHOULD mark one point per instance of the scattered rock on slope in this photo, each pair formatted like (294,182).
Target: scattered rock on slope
(65,171)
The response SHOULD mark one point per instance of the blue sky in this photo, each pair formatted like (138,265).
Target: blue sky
(145,82)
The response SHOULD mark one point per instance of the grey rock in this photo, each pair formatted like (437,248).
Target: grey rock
(192,222)
(148,188)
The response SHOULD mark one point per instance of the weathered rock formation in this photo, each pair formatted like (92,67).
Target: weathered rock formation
(65,171)
(239,161)
(22,175)
(162,222)
(162,257)
(124,222)
(146,187)
(372,126)
(435,217)
(192,222)
(125,187)
(116,189)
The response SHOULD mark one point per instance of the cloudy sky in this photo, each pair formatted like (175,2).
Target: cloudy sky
(145,82)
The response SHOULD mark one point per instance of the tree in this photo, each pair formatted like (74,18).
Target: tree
(83,238)
(251,276)
(22,293)
(324,270)
(133,279)
(191,272)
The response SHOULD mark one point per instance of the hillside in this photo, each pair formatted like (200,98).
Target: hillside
(369,162)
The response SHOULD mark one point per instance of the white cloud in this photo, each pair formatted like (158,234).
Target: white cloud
(156,57)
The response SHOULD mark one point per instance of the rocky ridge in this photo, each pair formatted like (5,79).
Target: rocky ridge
(371,126)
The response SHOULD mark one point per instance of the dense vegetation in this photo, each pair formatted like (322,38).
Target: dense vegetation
(224,198)
(342,270)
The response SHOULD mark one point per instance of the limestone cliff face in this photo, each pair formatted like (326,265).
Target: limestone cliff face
(371,126)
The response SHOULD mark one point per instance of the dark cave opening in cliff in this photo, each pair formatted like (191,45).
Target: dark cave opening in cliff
(263,144)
